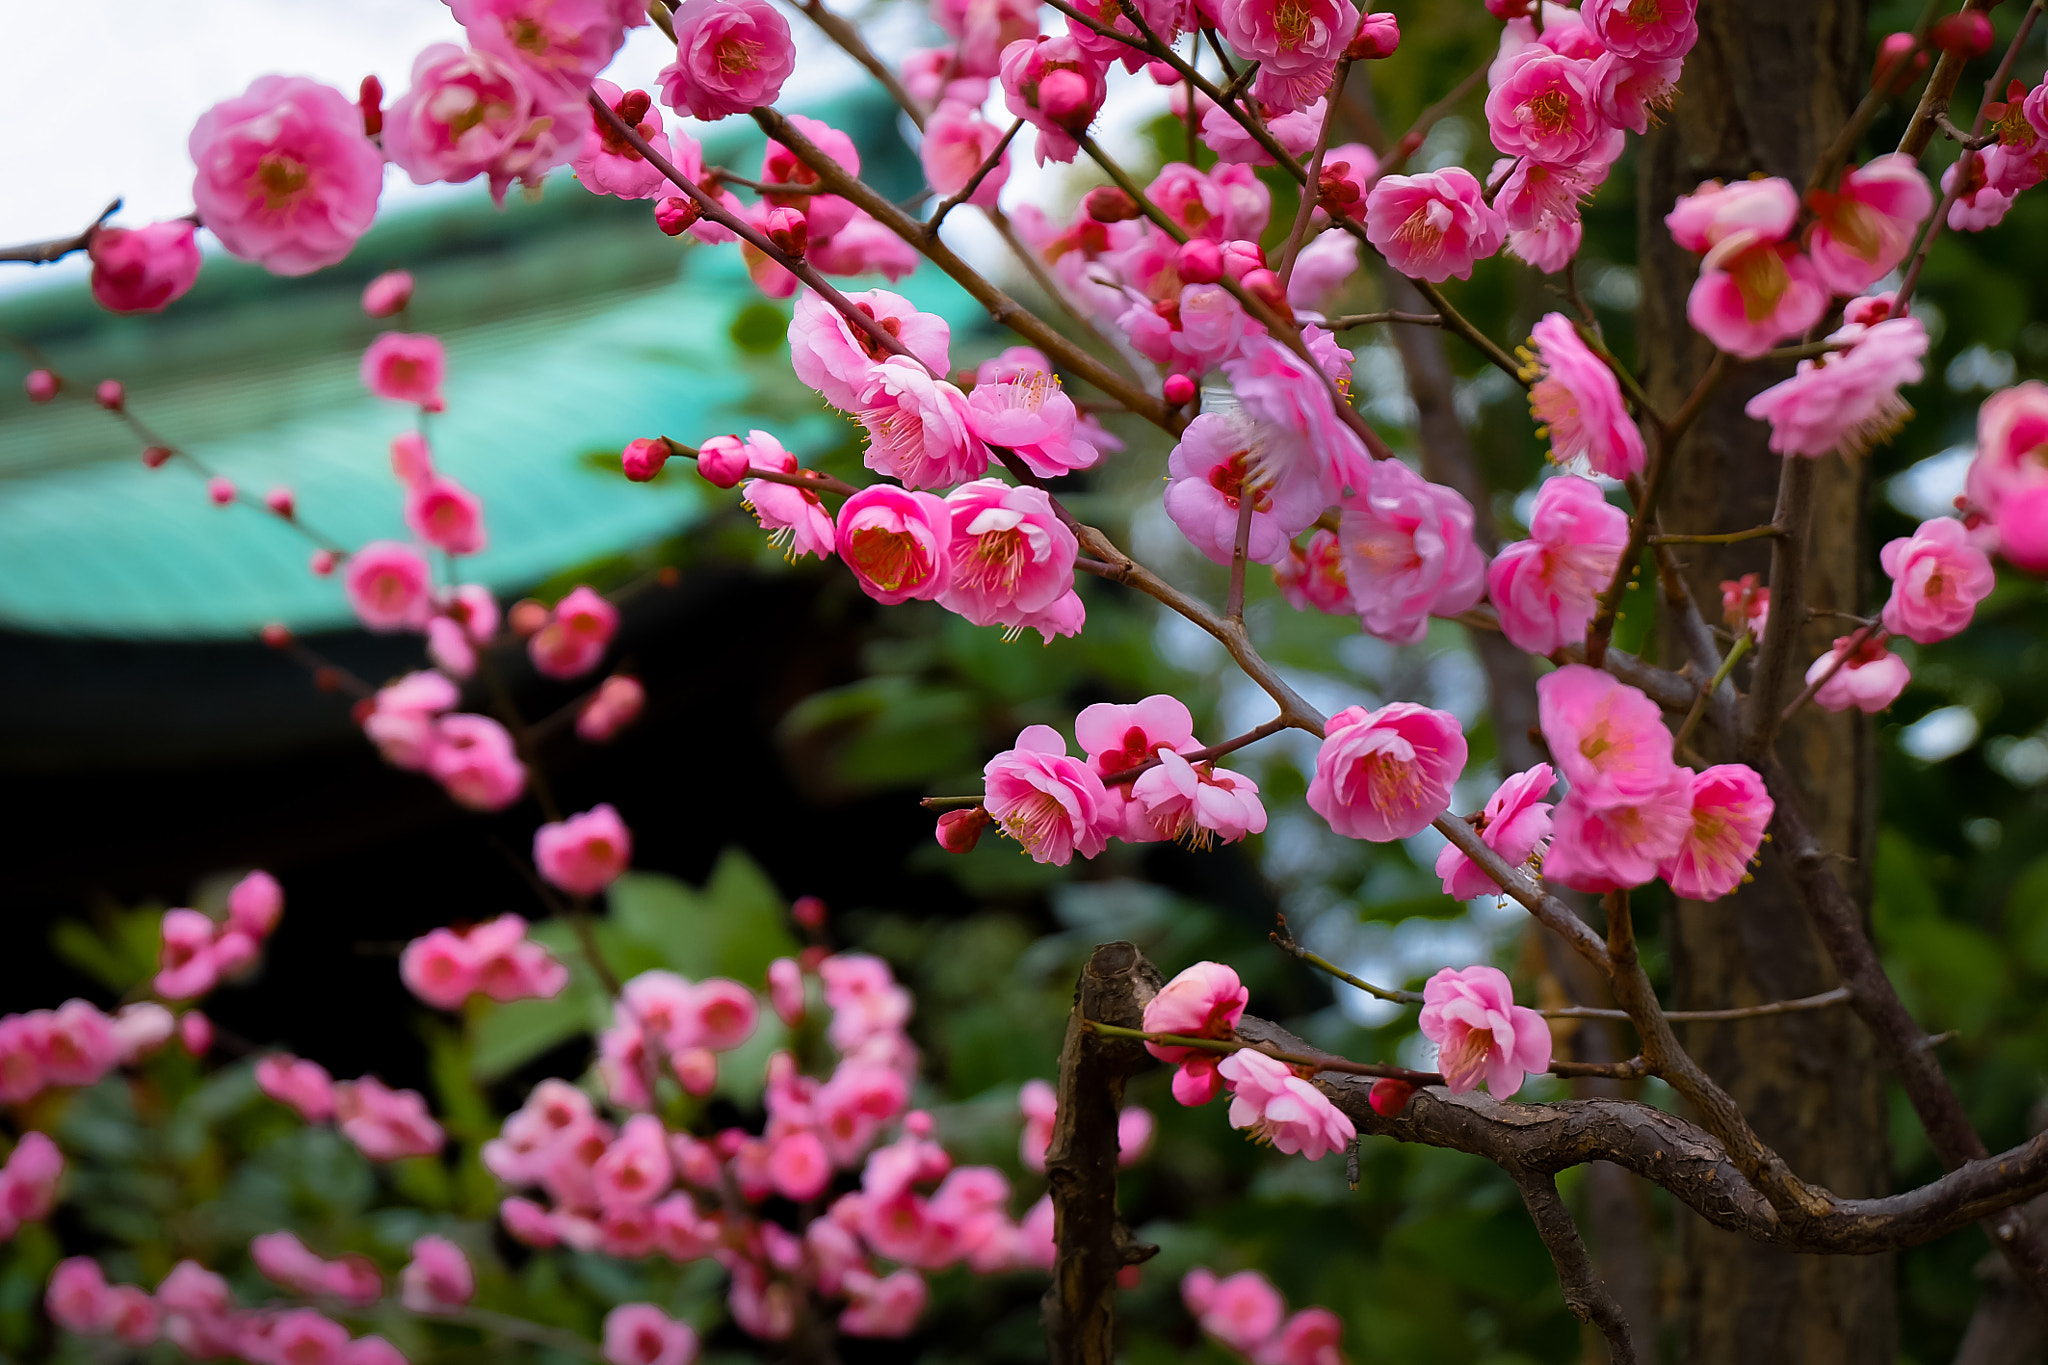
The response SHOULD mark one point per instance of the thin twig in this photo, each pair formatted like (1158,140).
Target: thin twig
(981,173)
(1350,320)
(1723,538)
(57,248)
(1311,187)
(1699,707)
(1585,1294)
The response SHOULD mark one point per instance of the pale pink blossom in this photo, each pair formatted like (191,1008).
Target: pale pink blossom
(1194,803)
(1048,802)
(984,29)
(1242,1311)
(1870,679)
(839,361)
(608,164)
(1408,551)
(391,291)
(2012,447)
(1753,292)
(1715,211)
(578,631)
(1295,131)
(285,176)
(635,1169)
(1865,228)
(584,853)
(1614,847)
(406,367)
(385,1124)
(1606,737)
(285,1260)
(255,904)
(1577,402)
(795,518)
(560,44)
(1632,91)
(1056,86)
(1433,225)
(437,1279)
(1386,774)
(1977,207)
(1218,455)
(1312,577)
(722,1014)
(440,968)
(1938,578)
(1544,588)
(863,247)
(472,112)
(303,1336)
(786,990)
(143,270)
(1012,557)
(1032,416)
(78,1298)
(641,1334)
(139,1029)
(446,515)
(1514,824)
(1730,812)
(1314,1336)
(388,585)
(957,141)
(1480,1032)
(186,966)
(402,714)
(919,427)
(1847,401)
(1278,1107)
(1542,107)
(884,1306)
(412,459)
(1652,30)
(618,703)
(301,1084)
(475,759)
(1321,269)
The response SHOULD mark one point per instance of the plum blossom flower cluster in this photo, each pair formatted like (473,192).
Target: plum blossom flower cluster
(1246,1314)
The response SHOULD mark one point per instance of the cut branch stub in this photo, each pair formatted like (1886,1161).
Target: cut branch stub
(1081,1162)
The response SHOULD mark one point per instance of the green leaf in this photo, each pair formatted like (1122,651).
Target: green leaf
(506,1037)
(759,328)
(120,956)
(2026,912)
(734,927)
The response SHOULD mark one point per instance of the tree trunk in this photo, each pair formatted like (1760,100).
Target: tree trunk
(1768,86)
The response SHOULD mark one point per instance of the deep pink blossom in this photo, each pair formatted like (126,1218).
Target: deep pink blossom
(1480,1032)
(795,518)
(1209,471)
(1870,679)
(385,1124)
(1408,552)
(1013,559)
(559,44)
(391,291)
(1312,577)
(1730,812)
(584,853)
(1631,91)
(919,427)
(1242,1311)
(1611,848)
(1978,206)
(1056,86)
(1046,801)
(1433,225)
(576,635)
(1847,401)
(608,164)
(731,56)
(641,1334)
(1386,774)
(255,904)
(1544,588)
(1752,293)
(1276,1106)
(1938,578)
(472,112)
(286,177)
(1865,228)
(1542,107)
(1651,30)
(1118,737)
(446,515)
(985,28)
(1514,824)
(2012,447)
(899,544)
(839,361)
(439,968)
(1196,802)
(186,966)
(475,759)
(1578,403)
(1032,416)
(1606,737)
(143,270)
(406,368)
(1290,37)
(388,585)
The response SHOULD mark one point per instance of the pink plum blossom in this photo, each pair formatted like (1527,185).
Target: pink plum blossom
(1514,824)
(957,141)
(1299,40)
(439,968)
(1650,30)
(472,112)
(388,584)
(1631,91)
(558,44)
(385,1124)
(303,1085)
(1193,802)
(1312,577)
(255,904)
(474,758)
(1848,400)
(1295,131)
(618,703)
(1607,737)
(641,1334)
(1056,86)
(286,177)
(984,29)
(1408,552)
(795,518)
(864,247)
(1754,292)
(1242,1311)
(1865,228)
(731,56)
(1046,801)
(143,270)
(824,214)
(576,635)
(1433,225)
(1209,471)
(635,1169)
(186,966)
(1032,416)
(899,544)
(584,853)
(1869,679)
(1278,1107)
(1730,812)
(1611,848)
(608,164)
(1938,578)
(919,427)
(391,291)
(2012,448)
(1013,559)
(1542,107)
(1544,588)
(1578,403)
(1321,269)
(1119,737)
(78,1298)
(406,368)
(446,515)
(1978,206)
(1386,774)
(438,1278)
(839,361)
(883,1306)
(1480,1032)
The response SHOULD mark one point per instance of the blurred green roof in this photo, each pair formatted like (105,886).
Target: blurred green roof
(572,326)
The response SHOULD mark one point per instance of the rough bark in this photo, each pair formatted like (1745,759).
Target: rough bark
(1767,88)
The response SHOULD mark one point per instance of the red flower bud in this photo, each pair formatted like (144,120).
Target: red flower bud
(1108,204)
(633,106)
(110,395)
(277,635)
(808,912)
(322,563)
(1199,261)
(1966,34)
(1378,36)
(675,214)
(154,456)
(281,501)
(642,459)
(1390,1097)
(789,229)
(370,99)
(221,490)
(960,830)
(1180,389)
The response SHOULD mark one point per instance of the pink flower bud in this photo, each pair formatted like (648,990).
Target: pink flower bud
(1390,1096)
(1966,34)
(1265,286)
(1199,261)
(221,490)
(256,904)
(697,1069)
(786,990)
(960,830)
(281,501)
(370,99)
(1379,35)
(1108,204)
(143,270)
(153,457)
(618,703)
(526,617)
(195,1032)
(321,562)
(643,458)
(1240,258)
(1899,63)
(723,461)
(1067,98)
(1179,389)
(808,912)
(389,293)
(788,229)
(675,215)
(41,385)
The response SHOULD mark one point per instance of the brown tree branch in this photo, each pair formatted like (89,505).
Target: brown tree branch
(57,248)
(1584,1292)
